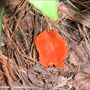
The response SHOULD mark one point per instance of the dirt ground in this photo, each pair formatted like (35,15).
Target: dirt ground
(22,22)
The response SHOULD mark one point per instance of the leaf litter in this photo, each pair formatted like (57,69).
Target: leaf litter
(22,23)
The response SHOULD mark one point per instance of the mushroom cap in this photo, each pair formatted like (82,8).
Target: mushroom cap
(51,47)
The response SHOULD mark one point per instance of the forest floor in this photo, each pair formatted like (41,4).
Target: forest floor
(20,60)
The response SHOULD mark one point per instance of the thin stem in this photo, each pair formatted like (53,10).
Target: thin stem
(2,10)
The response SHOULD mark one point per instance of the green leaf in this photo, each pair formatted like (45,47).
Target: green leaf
(47,7)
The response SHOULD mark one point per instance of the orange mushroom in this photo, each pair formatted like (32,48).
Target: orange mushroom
(51,47)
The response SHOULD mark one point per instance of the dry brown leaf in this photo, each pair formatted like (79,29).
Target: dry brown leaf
(36,74)
(73,58)
(82,80)
(47,77)
(71,65)
(87,47)
(80,52)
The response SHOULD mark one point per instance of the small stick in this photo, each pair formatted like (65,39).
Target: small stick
(7,72)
